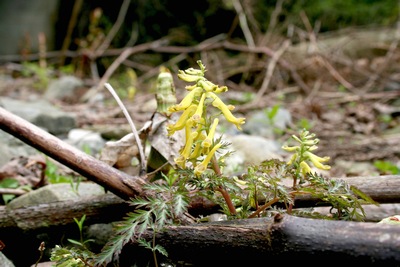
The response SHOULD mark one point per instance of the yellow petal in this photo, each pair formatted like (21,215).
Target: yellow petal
(186,101)
(199,111)
(317,161)
(220,89)
(192,71)
(182,121)
(218,103)
(207,85)
(305,168)
(188,77)
(208,141)
(203,165)
(292,159)
(180,161)
(290,148)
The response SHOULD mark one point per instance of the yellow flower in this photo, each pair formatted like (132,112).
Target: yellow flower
(191,87)
(220,89)
(203,165)
(192,71)
(180,161)
(291,148)
(292,159)
(197,147)
(199,111)
(208,141)
(188,145)
(239,182)
(317,161)
(186,101)
(189,77)
(182,121)
(305,168)
(185,153)
(218,103)
(207,85)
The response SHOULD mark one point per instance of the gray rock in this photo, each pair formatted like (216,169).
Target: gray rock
(250,150)
(55,192)
(259,124)
(11,147)
(64,88)
(5,262)
(86,140)
(41,113)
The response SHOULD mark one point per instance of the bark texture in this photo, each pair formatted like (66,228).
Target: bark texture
(285,239)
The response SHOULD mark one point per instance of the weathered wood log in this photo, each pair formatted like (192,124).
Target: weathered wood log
(120,183)
(98,209)
(382,189)
(109,207)
(283,239)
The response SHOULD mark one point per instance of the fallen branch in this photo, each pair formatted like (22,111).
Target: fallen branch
(120,183)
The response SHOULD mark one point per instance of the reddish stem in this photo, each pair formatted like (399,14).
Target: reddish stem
(221,189)
(263,207)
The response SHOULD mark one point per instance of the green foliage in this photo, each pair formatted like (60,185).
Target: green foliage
(170,201)
(333,14)
(12,184)
(386,167)
(304,124)
(71,257)
(42,75)
(272,112)
(54,177)
(74,256)
(81,241)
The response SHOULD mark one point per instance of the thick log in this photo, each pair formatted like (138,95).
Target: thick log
(383,189)
(98,209)
(284,239)
(120,183)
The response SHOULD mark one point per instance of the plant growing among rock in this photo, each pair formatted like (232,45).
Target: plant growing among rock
(198,171)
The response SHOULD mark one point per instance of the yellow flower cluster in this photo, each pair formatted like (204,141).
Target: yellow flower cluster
(199,137)
(307,142)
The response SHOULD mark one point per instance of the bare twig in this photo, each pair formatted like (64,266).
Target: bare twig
(272,22)
(243,23)
(388,58)
(115,28)
(271,68)
(313,41)
(133,127)
(124,55)
(71,25)
(42,50)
